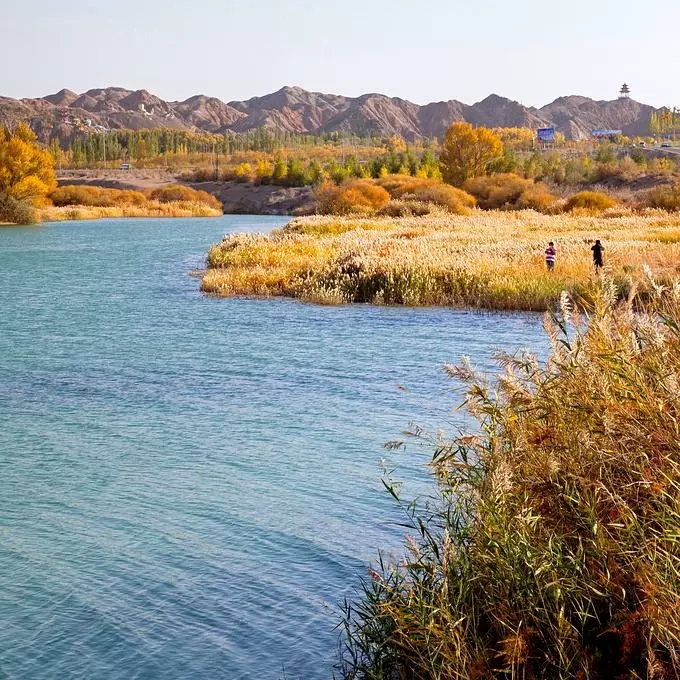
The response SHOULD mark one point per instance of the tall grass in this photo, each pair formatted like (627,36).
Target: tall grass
(150,209)
(493,260)
(551,547)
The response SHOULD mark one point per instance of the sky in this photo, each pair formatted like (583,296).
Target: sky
(528,50)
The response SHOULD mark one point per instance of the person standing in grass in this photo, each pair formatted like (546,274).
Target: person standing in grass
(597,249)
(550,254)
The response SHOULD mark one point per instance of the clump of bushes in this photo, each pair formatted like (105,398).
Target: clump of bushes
(101,197)
(428,191)
(507,191)
(393,195)
(621,171)
(590,201)
(98,197)
(664,197)
(425,191)
(454,200)
(398,185)
(551,548)
(354,195)
(16,211)
(536,197)
(177,192)
(406,208)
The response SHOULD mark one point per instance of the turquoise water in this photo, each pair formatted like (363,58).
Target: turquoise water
(190,486)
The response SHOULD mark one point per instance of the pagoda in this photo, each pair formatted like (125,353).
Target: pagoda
(624,92)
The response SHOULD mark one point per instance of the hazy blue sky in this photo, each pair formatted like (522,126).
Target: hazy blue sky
(529,50)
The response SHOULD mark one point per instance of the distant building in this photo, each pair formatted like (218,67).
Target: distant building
(624,92)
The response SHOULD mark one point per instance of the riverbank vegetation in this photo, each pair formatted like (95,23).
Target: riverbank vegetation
(29,192)
(549,548)
(26,175)
(491,260)
(79,202)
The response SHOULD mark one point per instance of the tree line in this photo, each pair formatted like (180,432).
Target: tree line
(141,145)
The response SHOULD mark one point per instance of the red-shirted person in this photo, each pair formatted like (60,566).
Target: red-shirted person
(550,254)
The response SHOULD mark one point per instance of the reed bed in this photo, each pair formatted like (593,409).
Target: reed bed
(550,548)
(149,209)
(490,259)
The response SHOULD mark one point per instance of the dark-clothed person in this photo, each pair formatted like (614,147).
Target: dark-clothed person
(597,249)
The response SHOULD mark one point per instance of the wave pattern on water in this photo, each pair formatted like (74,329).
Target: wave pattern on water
(189,486)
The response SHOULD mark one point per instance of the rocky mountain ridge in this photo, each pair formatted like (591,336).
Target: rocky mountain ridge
(293,109)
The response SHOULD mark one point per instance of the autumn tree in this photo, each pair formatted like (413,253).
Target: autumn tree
(467,152)
(26,169)
(396,144)
(26,174)
(263,172)
(516,138)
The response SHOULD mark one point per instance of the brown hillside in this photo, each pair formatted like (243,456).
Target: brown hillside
(293,109)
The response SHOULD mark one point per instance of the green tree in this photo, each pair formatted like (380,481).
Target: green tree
(280,171)
(295,173)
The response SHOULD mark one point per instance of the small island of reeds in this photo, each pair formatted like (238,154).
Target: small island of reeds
(486,259)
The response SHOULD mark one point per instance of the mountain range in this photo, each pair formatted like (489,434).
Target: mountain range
(295,110)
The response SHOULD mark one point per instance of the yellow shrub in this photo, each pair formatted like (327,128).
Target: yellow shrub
(93,196)
(102,197)
(593,201)
(536,198)
(243,173)
(356,195)
(498,192)
(428,191)
(177,192)
(131,197)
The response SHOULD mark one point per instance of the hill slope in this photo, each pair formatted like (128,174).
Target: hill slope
(293,109)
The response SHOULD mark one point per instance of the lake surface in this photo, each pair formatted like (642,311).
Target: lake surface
(190,486)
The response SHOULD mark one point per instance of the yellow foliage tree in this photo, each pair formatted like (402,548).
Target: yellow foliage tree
(467,152)
(243,172)
(396,144)
(26,169)
(516,138)
(263,171)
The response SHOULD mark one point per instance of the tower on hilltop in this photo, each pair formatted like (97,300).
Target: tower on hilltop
(624,92)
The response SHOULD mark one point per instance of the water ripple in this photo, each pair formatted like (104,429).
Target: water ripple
(189,486)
